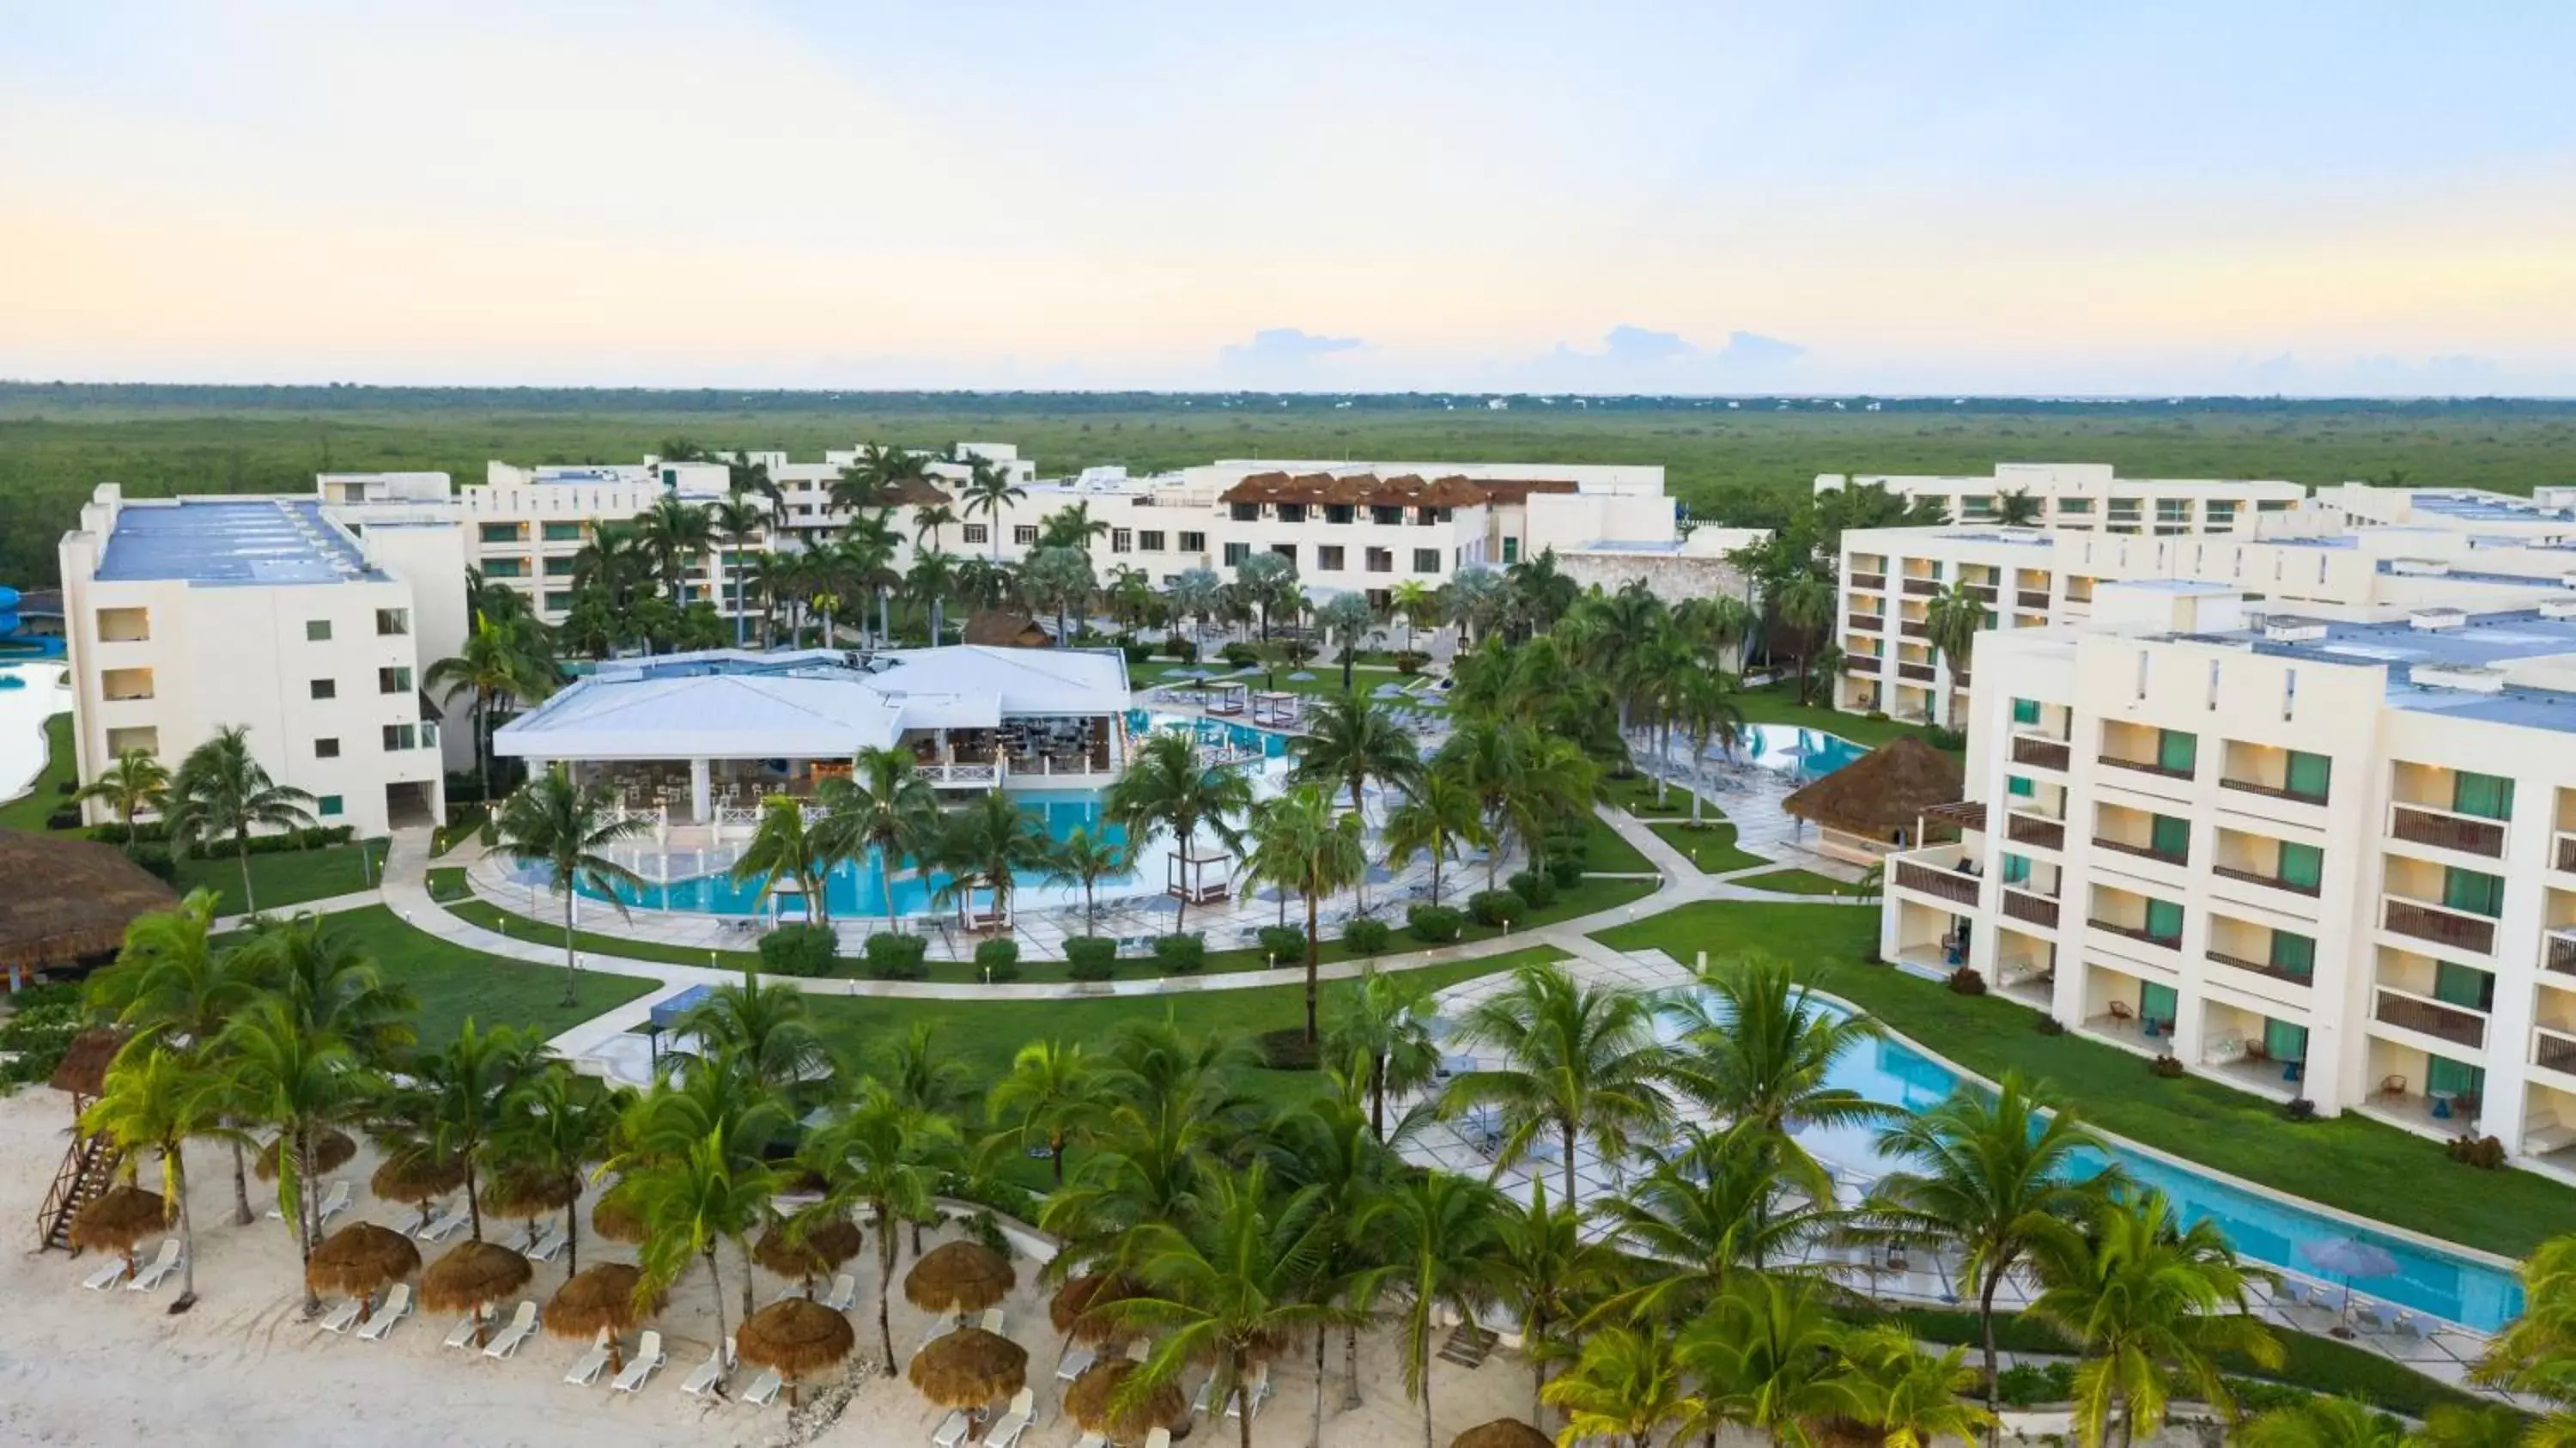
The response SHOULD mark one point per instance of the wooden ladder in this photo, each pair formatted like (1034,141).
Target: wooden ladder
(1467,1345)
(88,1169)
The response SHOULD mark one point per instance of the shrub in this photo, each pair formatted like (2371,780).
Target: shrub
(998,959)
(1944,738)
(154,860)
(896,957)
(447,883)
(39,1030)
(1286,1049)
(1366,935)
(1564,871)
(1090,957)
(2051,1026)
(1136,653)
(1185,650)
(1283,943)
(1411,661)
(2300,1109)
(1495,907)
(1180,954)
(2166,1067)
(1240,654)
(63,819)
(2022,1385)
(2483,1152)
(1878,714)
(1298,651)
(113,833)
(1535,889)
(1571,845)
(1434,924)
(1967,982)
(806,950)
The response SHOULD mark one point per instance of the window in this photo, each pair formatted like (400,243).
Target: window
(2164,921)
(504,532)
(562,533)
(1194,542)
(391,622)
(1235,553)
(1387,516)
(1328,558)
(326,688)
(1149,541)
(2285,1042)
(1978,506)
(2025,711)
(1380,560)
(2016,869)
(2487,796)
(401,736)
(1122,540)
(317,630)
(1292,512)
(2020,787)
(1244,512)
(2463,985)
(393,681)
(1285,550)
(2293,954)
(2221,515)
(559,600)
(2303,865)
(505,568)
(1024,534)
(977,533)
(2173,510)
(327,806)
(2158,1003)
(558,568)
(1426,560)
(1339,512)
(2308,774)
(2080,506)
(2473,891)
(2170,837)
(326,748)
(2177,751)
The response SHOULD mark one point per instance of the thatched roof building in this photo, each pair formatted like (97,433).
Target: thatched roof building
(996,628)
(68,901)
(1876,803)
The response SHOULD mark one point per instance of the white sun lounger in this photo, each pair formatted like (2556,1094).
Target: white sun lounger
(158,1270)
(1199,1399)
(764,1389)
(109,1273)
(702,1378)
(1091,1440)
(343,1316)
(585,1368)
(1006,1433)
(335,1202)
(648,1359)
(1075,1364)
(443,1226)
(1159,1438)
(523,1325)
(1257,1390)
(549,1246)
(950,1432)
(993,1321)
(844,1294)
(792,1289)
(939,1327)
(462,1335)
(395,1307)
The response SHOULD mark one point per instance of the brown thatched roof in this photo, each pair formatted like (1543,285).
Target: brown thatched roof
(822,1247)
(795,1336)
(958,1277)
(1367,490)
(331,1151)
(416,1174)
(999,628)
(360,1258)
(69,899)
(472,1274)
(529,1194)
(83,1070)
(118,1217)
(1092,1402)
(969,1368)
(1503,1433)
(1883,791)
(1072,1309)
(596,1297)
(614,1216)
(906,493)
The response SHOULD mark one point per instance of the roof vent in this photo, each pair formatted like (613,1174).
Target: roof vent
(2290,628)
(2423,567)
(2432,619)
(2470,678)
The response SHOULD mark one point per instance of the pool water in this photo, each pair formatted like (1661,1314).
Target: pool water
(1800,751)
(38,695)
(1211,731)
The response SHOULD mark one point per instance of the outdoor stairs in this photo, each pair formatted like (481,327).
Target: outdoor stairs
(1468,1345)
(88,1170)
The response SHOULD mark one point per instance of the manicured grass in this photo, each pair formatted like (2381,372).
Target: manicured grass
(447,883)
(1711,847)
(1778,704)
(45,795)
(1801,882)
(2349,1162)
(285,877)
(464,822)
(1636,795)
(1604,852)
(452,983)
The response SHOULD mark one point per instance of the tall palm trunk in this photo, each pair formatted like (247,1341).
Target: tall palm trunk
(1244,1423)
(241,855)
(572,955)
(715,1280)
(174,1185)
(1567,1130)
(572,1238)
(307,1213)
(1315,1433)
(1350,1367)
(885,1283)
(1422,1360)
(1314,957)
(1986,1324)
(241,1186)
(473,1202)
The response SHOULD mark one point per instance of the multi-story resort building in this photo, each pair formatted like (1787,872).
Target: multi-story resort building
(2320,860)
(2088,497)
(185,615)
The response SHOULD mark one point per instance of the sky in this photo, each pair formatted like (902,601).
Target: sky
(1669,195)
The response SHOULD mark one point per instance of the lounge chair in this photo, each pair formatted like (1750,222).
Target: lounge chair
(1094,1440)
(1199,1399)
(109,1273)
(951,1430)
(549,1246)
(648,1359)
(1075,1364)
(764,1389)
(797,1288)
(462,1334)
(1023,1410)
(585,1368)
(993,1321)
(395,1307)
(443,1226)
(2376,1316)
(939,1327)
(1159,1438)
(334,1202)
(844,1293)
(703,1378)
(344,1316)
(523,1325)
(1256,1392)
(158,1270)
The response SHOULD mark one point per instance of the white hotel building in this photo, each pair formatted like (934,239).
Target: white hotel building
(2323,860)
(2088,496)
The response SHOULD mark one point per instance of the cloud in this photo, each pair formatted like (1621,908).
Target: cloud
(1752,349)
(1277,346)
(1648,359)
(1639,344)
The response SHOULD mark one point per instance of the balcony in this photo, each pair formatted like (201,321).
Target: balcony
(2041,753)
(1919,673)
(2138,932)
(2564,853)
(2230,872)
(1875,582)
(2032,598)
(2443,927)
(2465,833)
(2144,852)
(2414,1013)
(1869,622)
(1865,665)
(1914,629)
(1956,886)
(1923,587)
(2271,791)
(2555,1050)
(2047,834)
(2143,766)
(2030,909)
(2558,950)
(1983,593)
(2259,967)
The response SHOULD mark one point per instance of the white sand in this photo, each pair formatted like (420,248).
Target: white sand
(81,1367)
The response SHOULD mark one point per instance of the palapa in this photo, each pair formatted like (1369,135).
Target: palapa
(417,1175)
(83,1070)
(614,1216)
(69,899)
(1075,1308)
(529,1194)
(796,1336)
(1503,1433)
(361,1259)
(958,1277)
(1094,1402)
(969,1368)
(1882,794)
(121,1216)
(332,1149)
(609,1296)
(822,1247)
(471,1276)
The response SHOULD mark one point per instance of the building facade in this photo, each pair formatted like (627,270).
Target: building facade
(2088,497)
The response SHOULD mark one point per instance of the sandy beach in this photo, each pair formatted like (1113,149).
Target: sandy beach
(79,1367)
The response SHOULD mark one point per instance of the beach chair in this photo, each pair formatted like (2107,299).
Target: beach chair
(764,1389)
(395,1307)
(2407,1324)
(648,1359)
(109,1273)
(158,1270)
(1023,1410)
(992,1322)
(950,1432)
(334,1202)
(703,1378)
(585,1368)
(844,1293)
(462,1334)
(1159,1438)
(792,1289)
(343,1316)
(443,1226)
(2375,1316)
(1091,1440)
(1199,1399)
(523,1325)
(1075,1364)
(939,1327)
(549,1246)
(1255,1393)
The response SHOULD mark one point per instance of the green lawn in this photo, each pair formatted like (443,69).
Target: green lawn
(1801,882)
(1711,847)
(1604,852)
(453,983)
(1777,704)
(1636,795)
(284,877)
(2349,1162)
(447,882)
(464,822)
(46,795)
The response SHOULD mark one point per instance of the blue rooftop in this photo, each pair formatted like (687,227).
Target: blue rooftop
(230,541)
(2471,508)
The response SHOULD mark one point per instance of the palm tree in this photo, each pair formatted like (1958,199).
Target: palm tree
(1547,1270)
(221,790)
(1330,1148)
(1806,605)
(1168,788)
(2531,1355)
(1195,594)
(866,549)
(1348,617)
(2151,1304)
(1049,1095)
(1910,1398)
(301,1081)
(771,578)
(1411,601)
(1268,580)
(737,520)
(1704,705)
(784,846)
(988,491)
(676,534)
(1059,578)
(1377,1024)
(2324,1422)
(1081,858)
(691,1201)
(135,782)
(927,520)
(496,664)
(328,984)
(171,987)
(1984,1175)
(554,1123)
(762,1031)
(1071,526)
(1714,1209)
(614,561)
(1441,1238)
(2016,508)
(1349,743)
(454,1099)
(988,843)
(887,808)
(1758,1047)
(932,578)
(1769,1358)
(888,1158)
(156,1098)
(1952,619)
(1439,815)
(1579,1061)
(1627,1386)
(568,828)
(1299,844)
(1472,598)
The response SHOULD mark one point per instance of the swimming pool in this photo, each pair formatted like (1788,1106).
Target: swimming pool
(38,696)
(1795,749)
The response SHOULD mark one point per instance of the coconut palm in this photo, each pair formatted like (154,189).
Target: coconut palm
(1911,1398)
(1081,858)
(1952,619)
(1440,1236)
(2151,1305)
(327,983)
(786,846)
(986,845)
(1436,817)
(1377,1026)
(222,792)
(762,1031)
(887,1158)
(866,552)
(1717,1206)
(1299,844)
(691,1201)
(737,519)
(676,535)
(1628,1385)
(1048,1097)
(989,490)
(1548,1270)
(1411,601)
(931,579)
(156,1098)
(1703,703)
(1331,1148)
(884,807)
(1059,578)
(1471,600)
(1578,1061)
(616,561)
(301,1081)
(135,782)
(1769,1357)
(568,828)
(453,1096)
(2016,508)
(1071,526)
(554,1123)
(1806,605)
(2323,1422)
(2531,1356)
(1757,1046)
(1167,788)
(1196,594)
(1268,581)
(496,664)
(1983,1175)
(927,520)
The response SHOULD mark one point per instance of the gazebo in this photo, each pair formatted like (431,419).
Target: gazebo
(1877,804)
(1226,696)
(69,901)
(1277,709)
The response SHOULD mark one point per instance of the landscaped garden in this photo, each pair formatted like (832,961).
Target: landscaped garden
(282,878)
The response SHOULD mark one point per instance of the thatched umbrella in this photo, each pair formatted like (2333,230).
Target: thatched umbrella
(418,1176)
(470,1277)
(1093,1398)
(82,1072)
(969,1368)
(121,1216)
(601,1297)
(614,1217)
(361,1259)
(1071,1309)
(796,1336)
(529,1195)
(68,900)
(823,1247)
(1503,1433)
(332,1149)
(958,1277)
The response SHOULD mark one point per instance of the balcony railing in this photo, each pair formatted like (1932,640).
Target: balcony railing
(2144,766)
(2555,1051)
(2413,1013)
(2270,791)
(2047,834)
(2138,932)
(2230,872)
(2447,831)
(2041,753)
(1920,673)
(2259,967)
(2104,842)
(1869,622)
(2558,951)
(1951,885)
(1914,629)
(2565,857)
(1923,587)
(2035,598)
(1983,593)
(2036,910)
(1861,664)
(2425,922)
